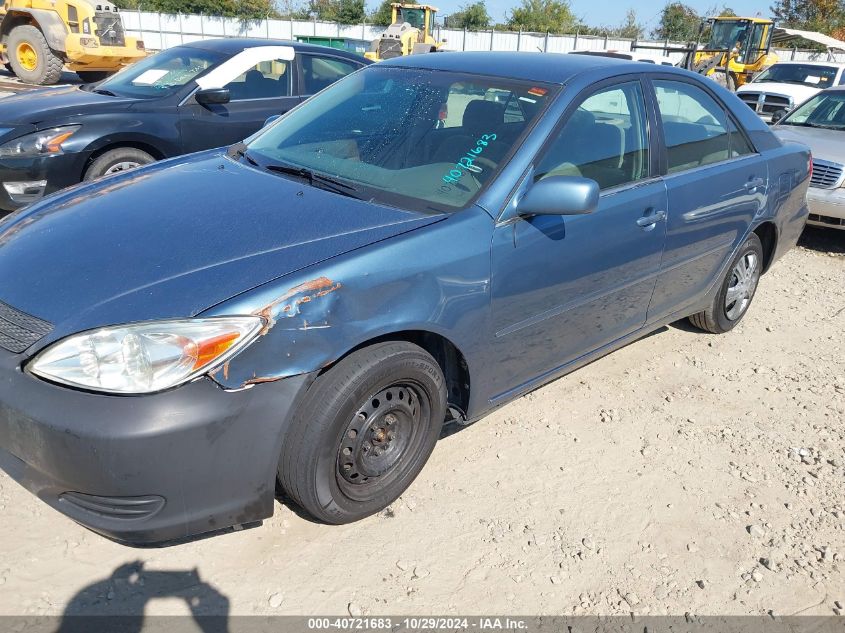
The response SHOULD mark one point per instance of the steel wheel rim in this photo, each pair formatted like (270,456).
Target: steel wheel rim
(121,166)
(384,431)
(742,284)
(27,56)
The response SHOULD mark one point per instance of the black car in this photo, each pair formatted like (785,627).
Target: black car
(184,99)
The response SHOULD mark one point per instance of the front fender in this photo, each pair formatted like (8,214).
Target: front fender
(49,23)
(434,279)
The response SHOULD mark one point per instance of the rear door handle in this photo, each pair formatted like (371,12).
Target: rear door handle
(651,219)
(754,184)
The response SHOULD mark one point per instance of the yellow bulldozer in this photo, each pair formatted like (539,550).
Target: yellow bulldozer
(411,32)
(39,37)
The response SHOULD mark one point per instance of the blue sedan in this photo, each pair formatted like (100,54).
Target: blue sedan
(422,242)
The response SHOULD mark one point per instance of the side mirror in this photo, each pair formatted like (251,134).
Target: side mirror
(209,96)
(272,118)
(777,115)
(560,195)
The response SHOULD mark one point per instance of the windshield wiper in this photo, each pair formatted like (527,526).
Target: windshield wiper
(103,91)
(316,179)
(820,126)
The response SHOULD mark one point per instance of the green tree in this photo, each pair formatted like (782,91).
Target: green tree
(242,9)
(350,12)
(827,16)
(678,22)
(472,17)
(630,28)
(552,16)
(255,9)
(382,15)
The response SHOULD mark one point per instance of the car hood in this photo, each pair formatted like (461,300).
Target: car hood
(799,93)
(50,104)
(825,144)
(175,238)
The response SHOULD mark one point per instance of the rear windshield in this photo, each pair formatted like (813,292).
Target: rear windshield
(419,139)
(804,74)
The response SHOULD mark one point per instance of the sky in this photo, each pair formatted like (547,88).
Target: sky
(612,12)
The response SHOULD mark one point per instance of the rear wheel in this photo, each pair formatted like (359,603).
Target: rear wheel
(117,160)
(364,432)
(736,292)
(91,76)
(31,59)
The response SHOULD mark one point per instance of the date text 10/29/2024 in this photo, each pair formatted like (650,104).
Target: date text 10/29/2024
(417,624)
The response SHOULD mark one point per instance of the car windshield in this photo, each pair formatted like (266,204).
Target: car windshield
(804,74)
(726,34)
(406,137)
(825,110)
(162,74)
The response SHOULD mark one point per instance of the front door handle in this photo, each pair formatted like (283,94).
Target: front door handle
(651,219)
(754,184)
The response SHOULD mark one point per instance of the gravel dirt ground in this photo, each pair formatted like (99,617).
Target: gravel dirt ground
(686,472)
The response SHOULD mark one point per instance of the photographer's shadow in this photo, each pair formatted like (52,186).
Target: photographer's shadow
(117,603)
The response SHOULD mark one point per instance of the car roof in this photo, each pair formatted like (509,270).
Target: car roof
(541,67)
(233,45)
(809,63)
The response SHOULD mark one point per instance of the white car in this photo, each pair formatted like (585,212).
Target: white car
(786,84)
(820,124)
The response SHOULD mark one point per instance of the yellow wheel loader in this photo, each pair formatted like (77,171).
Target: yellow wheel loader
(39,37)
(411,32)
(737,49)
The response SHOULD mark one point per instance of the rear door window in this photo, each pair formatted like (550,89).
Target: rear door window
(697,129)
(695,126)
(319,72)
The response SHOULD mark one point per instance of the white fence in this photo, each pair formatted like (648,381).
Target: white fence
(162,30)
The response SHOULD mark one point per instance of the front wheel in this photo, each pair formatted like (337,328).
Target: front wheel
(364,432)
(115,161)
(736,292)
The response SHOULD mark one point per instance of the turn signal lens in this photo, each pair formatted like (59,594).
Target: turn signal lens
(38,143)
(54,144)
(145,357)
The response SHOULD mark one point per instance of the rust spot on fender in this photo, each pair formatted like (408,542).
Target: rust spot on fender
(289,303)
(260,379)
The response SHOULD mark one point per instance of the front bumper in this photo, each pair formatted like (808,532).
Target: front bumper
(56,172)
(827,207)
(146,469)
(102,56)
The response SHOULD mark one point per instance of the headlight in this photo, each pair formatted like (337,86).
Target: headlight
(145,357)
(41,143)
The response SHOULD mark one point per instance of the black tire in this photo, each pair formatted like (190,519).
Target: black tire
(366,399)
(724,313)
(92,76)
(48,66)
(113,158)
(9,68)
